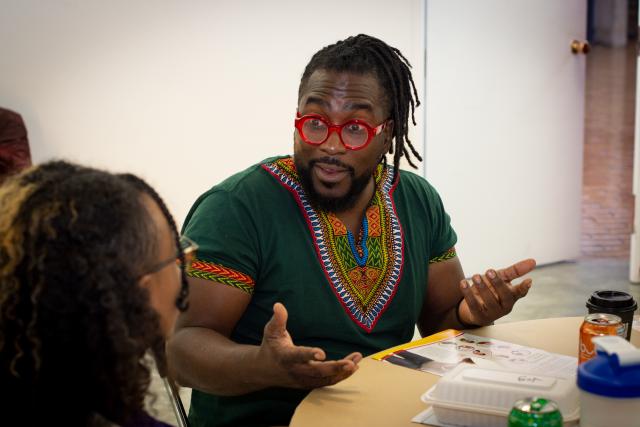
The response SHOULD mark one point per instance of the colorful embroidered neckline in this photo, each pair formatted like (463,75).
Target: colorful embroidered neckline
(364,291)
(360,252)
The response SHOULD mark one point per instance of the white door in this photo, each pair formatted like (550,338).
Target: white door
(504,126)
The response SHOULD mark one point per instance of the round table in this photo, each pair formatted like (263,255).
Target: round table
(383,394)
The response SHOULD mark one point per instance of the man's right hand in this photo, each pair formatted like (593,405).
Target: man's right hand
(297,366)
(202,355)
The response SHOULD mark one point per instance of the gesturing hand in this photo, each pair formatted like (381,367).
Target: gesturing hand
(298,366)
(492,295)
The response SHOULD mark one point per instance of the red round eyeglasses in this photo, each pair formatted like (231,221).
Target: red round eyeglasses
(354,134)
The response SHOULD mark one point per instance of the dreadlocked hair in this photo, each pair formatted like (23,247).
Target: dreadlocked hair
(74,321)
(363,54)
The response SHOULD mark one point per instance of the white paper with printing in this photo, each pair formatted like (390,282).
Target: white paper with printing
(440,357)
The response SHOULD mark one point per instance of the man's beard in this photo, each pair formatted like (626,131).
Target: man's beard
(332,204)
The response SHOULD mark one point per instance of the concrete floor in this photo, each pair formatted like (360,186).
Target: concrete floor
(561,290)
(558,290)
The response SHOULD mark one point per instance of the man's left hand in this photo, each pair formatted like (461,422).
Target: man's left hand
(492,295)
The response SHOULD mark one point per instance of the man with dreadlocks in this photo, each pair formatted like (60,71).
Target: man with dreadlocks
(357,251)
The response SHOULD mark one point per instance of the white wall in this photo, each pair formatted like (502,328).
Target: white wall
(183,93)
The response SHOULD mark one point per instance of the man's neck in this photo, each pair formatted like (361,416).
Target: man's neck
(352,217)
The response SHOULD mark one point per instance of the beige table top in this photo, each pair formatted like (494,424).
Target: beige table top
(382,394)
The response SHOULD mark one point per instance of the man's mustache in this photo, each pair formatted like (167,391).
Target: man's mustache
(331,161)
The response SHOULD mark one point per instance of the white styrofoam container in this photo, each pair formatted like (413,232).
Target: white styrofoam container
(480,397)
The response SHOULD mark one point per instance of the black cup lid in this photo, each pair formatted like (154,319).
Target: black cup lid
(611,299)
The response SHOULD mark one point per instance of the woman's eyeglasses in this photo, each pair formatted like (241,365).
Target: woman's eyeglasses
(189,249)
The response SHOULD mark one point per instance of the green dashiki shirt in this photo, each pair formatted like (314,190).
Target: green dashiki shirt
(258,232)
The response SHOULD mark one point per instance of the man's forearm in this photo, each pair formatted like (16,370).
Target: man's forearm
(444,320)
(203,359)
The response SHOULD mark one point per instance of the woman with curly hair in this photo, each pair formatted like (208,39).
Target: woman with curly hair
(89,283)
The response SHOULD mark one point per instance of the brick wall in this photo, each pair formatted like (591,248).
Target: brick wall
(607,199)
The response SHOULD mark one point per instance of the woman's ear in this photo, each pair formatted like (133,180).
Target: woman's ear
(145,281)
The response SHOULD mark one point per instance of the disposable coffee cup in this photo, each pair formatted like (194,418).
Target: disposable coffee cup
(614,302)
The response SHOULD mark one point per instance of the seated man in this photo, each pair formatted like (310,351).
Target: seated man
(313,260)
